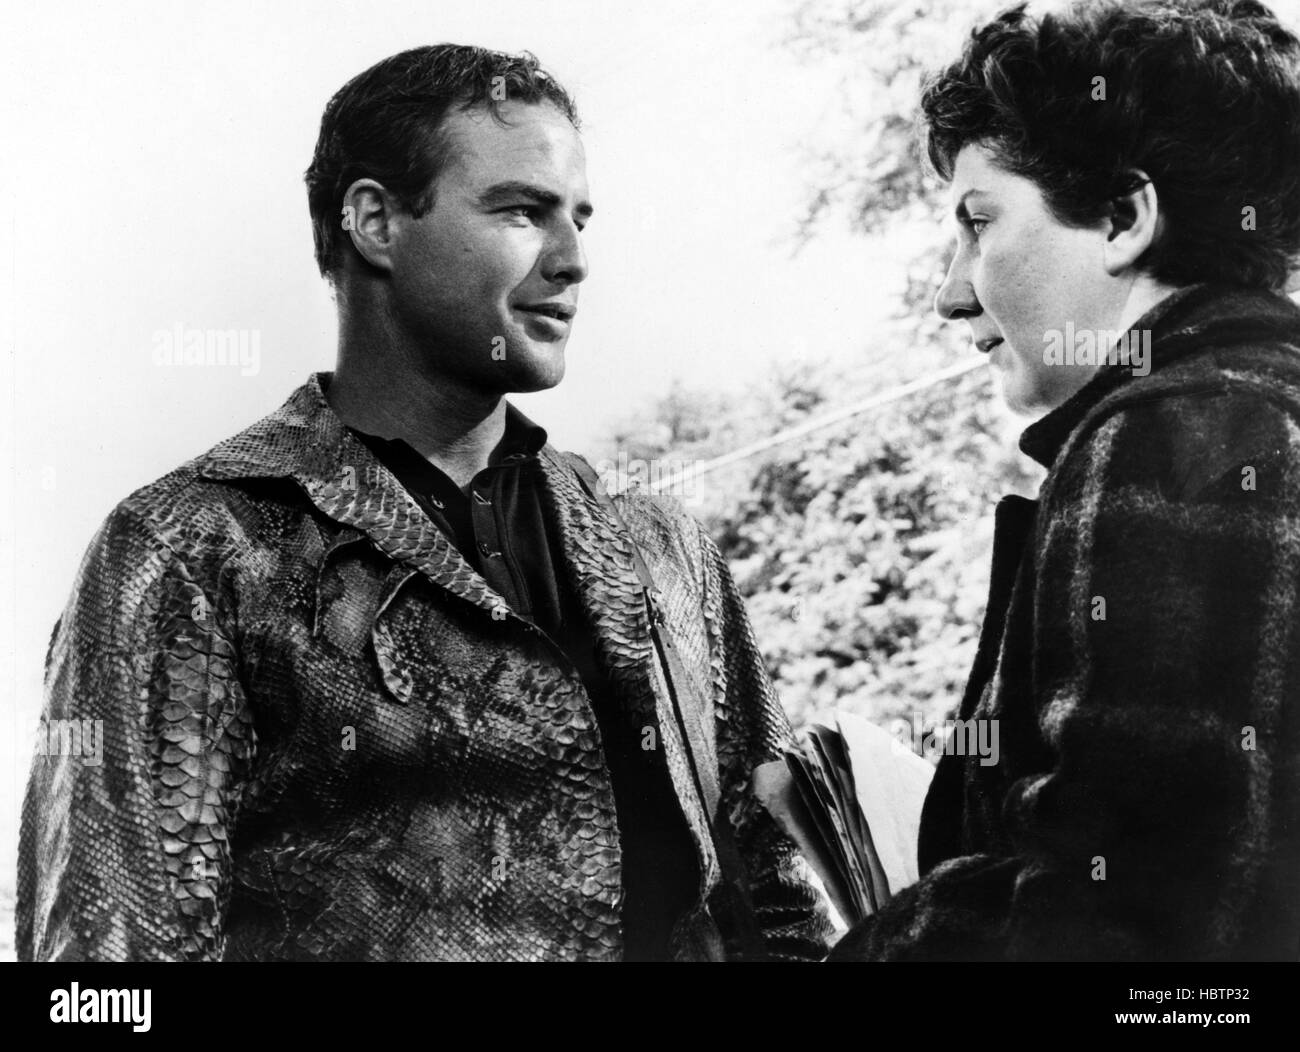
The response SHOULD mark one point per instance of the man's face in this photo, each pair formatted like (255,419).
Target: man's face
(1018,276)
(485,284)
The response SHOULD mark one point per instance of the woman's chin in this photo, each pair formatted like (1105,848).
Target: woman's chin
(1011,391)
(1024,399)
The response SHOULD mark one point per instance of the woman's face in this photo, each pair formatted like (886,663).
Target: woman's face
(1019,277)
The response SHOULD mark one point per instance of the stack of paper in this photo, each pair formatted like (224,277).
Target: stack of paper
(851,800)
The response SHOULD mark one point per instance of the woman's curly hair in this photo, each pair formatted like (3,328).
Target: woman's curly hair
(1201,95)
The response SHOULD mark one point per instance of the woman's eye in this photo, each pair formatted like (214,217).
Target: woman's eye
(976,226)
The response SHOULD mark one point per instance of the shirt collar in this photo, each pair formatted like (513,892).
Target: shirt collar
(521,434)
(520,442)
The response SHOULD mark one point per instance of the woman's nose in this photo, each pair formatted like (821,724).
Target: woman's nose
(956,297)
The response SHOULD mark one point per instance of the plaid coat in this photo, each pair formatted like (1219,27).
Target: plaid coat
(1141,652)
(326,737)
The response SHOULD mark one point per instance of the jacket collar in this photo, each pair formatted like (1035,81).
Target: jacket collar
(1182,324)
(307,441)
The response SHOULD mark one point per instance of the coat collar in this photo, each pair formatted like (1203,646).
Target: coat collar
(1182,324)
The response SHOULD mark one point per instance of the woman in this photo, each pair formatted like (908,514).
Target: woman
(1127,183)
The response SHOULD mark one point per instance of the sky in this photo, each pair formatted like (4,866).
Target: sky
(155,171)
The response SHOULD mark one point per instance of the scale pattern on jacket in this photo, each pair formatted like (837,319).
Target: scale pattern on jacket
(326,737)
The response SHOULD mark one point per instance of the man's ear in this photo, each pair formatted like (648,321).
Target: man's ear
(1135,222)
(368,213)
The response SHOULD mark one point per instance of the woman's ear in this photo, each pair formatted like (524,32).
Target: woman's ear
(367,217)
(1135,223)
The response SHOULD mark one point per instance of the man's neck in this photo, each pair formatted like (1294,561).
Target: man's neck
(376,390)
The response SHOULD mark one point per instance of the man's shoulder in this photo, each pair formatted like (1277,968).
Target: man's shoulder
(661,527)
(214,496)
(657,515)
(185,511)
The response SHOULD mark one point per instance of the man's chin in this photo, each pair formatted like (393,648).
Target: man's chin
(534,373)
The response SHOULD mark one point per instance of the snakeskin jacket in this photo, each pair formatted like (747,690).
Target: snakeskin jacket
(326,737)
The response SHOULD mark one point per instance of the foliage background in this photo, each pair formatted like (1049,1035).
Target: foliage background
(862,551)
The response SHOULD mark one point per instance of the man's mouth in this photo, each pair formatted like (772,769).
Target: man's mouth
(562,312)
(988,343)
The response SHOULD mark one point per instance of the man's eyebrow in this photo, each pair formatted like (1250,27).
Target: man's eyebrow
(509,190)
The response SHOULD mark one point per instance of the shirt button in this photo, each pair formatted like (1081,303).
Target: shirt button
(486,551)
(437,503)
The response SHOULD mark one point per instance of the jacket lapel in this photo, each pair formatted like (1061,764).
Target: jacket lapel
(598,559)
(305,440)
(599,564)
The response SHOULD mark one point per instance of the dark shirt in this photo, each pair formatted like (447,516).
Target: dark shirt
(500,526)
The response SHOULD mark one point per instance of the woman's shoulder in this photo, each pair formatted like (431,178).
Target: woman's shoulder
(1222,421)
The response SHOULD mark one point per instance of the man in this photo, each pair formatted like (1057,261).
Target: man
(383,676)
(1127,182)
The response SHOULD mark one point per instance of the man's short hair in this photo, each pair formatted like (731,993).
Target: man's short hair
(1202,95)
(385,124)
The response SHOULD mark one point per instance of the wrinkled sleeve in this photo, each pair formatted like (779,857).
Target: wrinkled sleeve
(1165,675)
(753,729)
(144,740)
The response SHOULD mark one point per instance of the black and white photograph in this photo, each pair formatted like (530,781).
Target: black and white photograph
(787,481)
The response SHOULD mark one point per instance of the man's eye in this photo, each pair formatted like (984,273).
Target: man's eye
(523,211)
(976,226)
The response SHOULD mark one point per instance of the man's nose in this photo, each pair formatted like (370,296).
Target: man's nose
(956,296)
(566,261)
